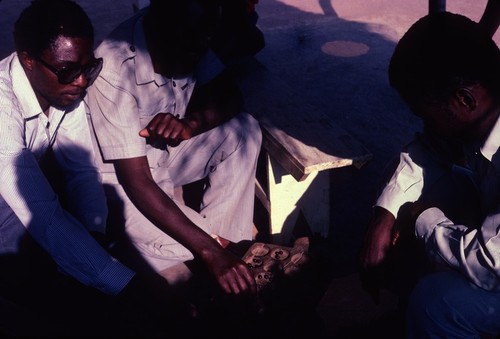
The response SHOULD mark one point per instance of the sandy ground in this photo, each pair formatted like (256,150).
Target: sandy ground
(347,83)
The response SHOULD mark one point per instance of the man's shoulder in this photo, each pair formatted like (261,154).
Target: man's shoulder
(125,29)
(6,71)
(118,45)
(6,82)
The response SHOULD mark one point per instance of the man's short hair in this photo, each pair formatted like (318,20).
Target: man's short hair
(43,21)
(439,53)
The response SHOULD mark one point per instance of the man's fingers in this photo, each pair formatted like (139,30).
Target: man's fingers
(225,286)
(250,281)
(144,133)
(157,125)
(237,282)
(395,238)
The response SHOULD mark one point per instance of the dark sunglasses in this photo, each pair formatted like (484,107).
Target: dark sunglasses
(69,74)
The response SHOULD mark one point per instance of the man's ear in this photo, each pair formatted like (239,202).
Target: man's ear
(466,98)
(26,60)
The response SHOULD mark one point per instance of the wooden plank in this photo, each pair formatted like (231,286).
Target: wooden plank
(260,193)
(289,197)
(296,134)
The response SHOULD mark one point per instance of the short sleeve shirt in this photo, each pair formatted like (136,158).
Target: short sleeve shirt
(128,94)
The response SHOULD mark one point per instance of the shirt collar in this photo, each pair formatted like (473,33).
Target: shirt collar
(23,91)
(492,143)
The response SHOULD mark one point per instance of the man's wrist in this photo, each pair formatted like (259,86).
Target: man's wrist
(193,124)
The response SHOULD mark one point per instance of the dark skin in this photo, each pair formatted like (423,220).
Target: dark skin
(468,115)
(209,106)
(64,52)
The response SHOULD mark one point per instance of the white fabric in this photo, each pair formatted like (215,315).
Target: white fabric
(125,97)
(26,134)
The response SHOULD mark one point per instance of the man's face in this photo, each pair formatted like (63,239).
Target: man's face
(177,48)
(183,55)
(468,115)
(62,73)
(443,121)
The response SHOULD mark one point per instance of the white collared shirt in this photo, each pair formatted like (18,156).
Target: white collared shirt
(26,134)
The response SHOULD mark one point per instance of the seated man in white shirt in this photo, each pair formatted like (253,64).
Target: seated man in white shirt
(166,115)
(444,194)
(51,190)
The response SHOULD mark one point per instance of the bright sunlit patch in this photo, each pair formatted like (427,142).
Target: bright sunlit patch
(304,6)
(346,49)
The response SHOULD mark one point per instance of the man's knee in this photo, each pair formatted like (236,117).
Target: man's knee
(437,308)
(248,130)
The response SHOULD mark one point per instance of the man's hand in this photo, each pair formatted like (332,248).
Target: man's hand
(384,234)
(167,127)
(231,273)
(376,247)
(378,238)
(404,229)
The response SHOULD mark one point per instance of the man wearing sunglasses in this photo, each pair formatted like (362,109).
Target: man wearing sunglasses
(68,74)
(50,190)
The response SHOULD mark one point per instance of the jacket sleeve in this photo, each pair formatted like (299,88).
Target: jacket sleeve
(474,252)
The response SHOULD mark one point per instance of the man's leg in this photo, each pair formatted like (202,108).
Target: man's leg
(227,156)
(446,305)
(139,243)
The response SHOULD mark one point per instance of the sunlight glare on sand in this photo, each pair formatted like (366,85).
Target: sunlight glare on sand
(304,5)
